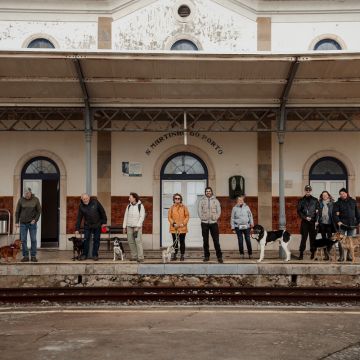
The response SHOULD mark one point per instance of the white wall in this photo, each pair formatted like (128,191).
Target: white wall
(298,148)
(156,27)
(239,158)
(70,147)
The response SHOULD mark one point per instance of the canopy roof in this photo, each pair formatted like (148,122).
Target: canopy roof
(107,79)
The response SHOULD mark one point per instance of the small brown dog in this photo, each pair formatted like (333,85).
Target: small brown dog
(348,243)
(9,251)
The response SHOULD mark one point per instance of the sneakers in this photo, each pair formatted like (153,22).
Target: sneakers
(34,259)
(25,259)
(220,261)
(140,260)
(206,259)
(95,258)
(312,255)
(182,258)
(173,257)
(301,256)
(83,257)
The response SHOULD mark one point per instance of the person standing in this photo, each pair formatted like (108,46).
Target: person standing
(94,217)
(209,211)
(308,209)
(346,216)
(27,214)
(241,223)
(132,225)
(178,217)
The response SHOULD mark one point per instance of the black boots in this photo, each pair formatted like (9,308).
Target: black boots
(301,256)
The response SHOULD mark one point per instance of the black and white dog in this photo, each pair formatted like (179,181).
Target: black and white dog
(264,237)
(118,249)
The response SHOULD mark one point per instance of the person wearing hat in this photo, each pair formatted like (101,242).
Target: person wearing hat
(346,216)
(308,210)
(27,214)
(95,218)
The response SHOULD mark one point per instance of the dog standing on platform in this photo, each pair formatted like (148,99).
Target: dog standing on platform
(264,237)
(118,251)
(10,251)
(348,243)
(170,250)
(78,247)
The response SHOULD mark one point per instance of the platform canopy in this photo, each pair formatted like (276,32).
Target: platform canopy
(108,79)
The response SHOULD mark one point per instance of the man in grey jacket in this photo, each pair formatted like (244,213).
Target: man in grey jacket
(209,211)
(27,214)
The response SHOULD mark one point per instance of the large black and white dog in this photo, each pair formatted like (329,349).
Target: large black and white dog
(264,237)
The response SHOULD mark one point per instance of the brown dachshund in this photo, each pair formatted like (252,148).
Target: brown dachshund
(9,251)
(349,243)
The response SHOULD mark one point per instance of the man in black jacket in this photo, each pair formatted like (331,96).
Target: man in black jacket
(346,216)
(94,218)
(308,209)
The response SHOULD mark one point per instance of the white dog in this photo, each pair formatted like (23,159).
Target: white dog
(264,237)
(166,254)
(118,252)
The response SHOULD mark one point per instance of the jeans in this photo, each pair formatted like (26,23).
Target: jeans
(307,228)
(182,243)
(96,240)
(24,228)
(241,233)
(214,231)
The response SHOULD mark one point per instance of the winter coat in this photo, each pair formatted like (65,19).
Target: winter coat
(93,214)
(178,214)
(330,206)
(134,215)
(241,215)
(308,206)
(346,211)
(27,210)
(209,209)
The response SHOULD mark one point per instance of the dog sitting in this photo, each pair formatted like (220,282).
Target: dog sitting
(78,247)
(118,249)
(324,246)
(348,243)
(10,251)
(264,237)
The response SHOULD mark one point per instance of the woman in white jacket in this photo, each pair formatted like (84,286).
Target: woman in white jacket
(133,222)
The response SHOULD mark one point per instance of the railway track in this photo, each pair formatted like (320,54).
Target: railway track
(174,294)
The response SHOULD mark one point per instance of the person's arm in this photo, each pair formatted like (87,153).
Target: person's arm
(336,214)
(357,214)
(170,219)
(218,209)
(141,217)
(317,210)
(125,217)
(38,211)
(187,216)
(103,217)
(199,209)
(17,212)
(251,218)
(299,210)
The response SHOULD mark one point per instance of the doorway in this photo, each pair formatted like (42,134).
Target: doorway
(42,175)
(187,174)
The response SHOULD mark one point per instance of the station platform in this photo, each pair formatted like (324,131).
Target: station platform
(56,269)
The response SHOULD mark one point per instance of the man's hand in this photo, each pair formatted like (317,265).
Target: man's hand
(33,222)
(339,223)
(124,230)
(17,225)
(233,231)
(308,218)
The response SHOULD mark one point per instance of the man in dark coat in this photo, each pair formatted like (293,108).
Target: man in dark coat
(94,218)
(346,216)
(308,209)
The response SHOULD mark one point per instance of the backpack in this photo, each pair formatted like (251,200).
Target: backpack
(139,208)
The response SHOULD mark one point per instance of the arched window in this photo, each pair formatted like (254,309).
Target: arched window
(327,44)
(329,174)
(40,167)
(184,45)
(41,43)
(185,166)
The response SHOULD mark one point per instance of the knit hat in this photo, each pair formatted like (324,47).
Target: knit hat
(343,190)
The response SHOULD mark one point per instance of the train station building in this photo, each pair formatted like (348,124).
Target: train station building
(158,97)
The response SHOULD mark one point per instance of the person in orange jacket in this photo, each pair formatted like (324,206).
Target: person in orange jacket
(178,217)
